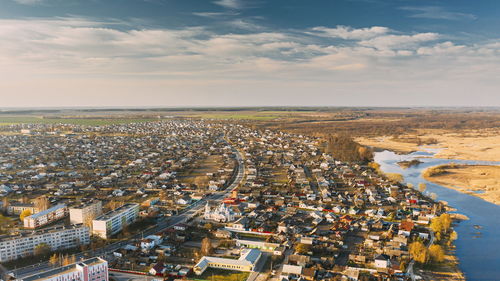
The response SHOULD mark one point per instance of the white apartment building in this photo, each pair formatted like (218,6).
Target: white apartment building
(45,217)
(85,212)
(17,246)
(113,222)
(93,269)
(18,208)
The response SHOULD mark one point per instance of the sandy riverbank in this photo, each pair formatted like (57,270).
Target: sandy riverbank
(478,180)
(467,145)
(447,271)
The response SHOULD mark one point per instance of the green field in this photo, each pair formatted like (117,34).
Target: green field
(221,275)
(246,115)
(72,121)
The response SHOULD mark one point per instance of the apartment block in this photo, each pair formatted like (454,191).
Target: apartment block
(113,222)
(17,208)
(58,238)
(85,212)
(46,217)
(93,269)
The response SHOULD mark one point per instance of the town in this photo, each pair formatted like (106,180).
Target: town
(203,199)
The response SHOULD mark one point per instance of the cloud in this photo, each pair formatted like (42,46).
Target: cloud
(230,4)
(434,12)
(374,60)
(29,2)
(215,15)
(345,32)
(389,42)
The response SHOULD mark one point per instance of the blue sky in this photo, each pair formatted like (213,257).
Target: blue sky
(249,52)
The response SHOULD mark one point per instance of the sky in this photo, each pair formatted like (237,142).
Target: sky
(168,53)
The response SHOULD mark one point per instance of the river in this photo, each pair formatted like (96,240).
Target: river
(478,249)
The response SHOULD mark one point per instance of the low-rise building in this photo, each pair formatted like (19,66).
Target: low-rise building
(17,246)
(46,217)
(93,269)
(246,262)
(18,208)
(113,222)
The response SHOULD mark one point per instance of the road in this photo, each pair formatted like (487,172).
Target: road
(258,268)
(122,276)
(180,218)
(409,271)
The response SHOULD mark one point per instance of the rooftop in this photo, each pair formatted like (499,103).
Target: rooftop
(116,211)
(48,211)
(63,269)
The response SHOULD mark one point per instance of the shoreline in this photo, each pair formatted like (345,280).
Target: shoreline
(474,145)
(467,179)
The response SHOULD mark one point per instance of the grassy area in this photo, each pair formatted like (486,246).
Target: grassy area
(198,175)
(222,275)
(247,115)
(4,121)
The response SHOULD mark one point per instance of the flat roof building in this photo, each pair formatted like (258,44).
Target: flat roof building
(58,238)
(85,212)
(113,222)
(93,269)
(46,217)
(246,262)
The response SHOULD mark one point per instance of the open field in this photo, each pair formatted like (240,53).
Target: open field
(198,175)
(221,275)
(478,180)
(467,145)
(4,120)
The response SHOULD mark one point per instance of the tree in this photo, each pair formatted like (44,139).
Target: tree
(419,252)
(346,149)
(66,260)
(54,259)
(206,246)
(434,196)
(441,224)
(42,203)
(25,213)
(5,203)
(303,248)
(42,249)
(163,195)
(436,253)
(422,187)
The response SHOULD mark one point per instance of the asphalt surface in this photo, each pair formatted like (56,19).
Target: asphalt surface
(182,217)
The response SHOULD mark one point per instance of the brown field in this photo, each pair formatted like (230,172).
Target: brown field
(477,180)
(198,175)
(467,145)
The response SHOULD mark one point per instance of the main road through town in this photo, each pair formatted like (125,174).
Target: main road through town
(182,217)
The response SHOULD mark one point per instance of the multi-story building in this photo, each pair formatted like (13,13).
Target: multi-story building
(22,245)
(45,217)
(93,269)
(17,208)
(85,212)
(113,222)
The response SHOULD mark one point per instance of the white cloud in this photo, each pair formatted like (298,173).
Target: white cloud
(230,4)
(69,50)
(345,32)
(389,42)
(434,12)
(29,2)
